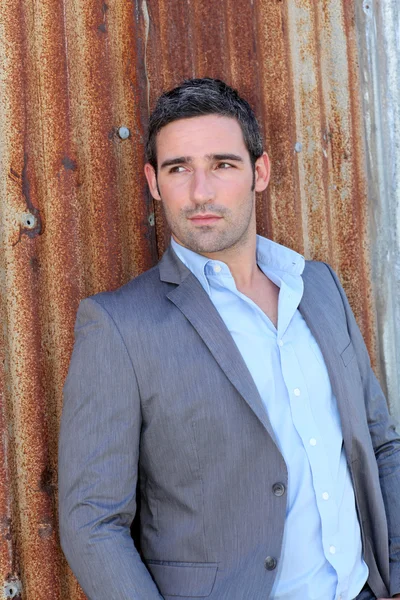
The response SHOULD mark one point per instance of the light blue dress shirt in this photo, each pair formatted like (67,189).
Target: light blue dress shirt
(321,555)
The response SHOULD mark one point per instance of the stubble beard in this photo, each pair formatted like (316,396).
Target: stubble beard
(208,239)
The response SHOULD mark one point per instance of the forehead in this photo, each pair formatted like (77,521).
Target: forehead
(199,136)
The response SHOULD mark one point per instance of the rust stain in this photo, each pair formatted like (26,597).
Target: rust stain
(32,225)
(279,210)
(5,528)
(46,483)
(75,72)
(363,304)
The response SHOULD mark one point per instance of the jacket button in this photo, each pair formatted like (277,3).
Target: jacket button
(270,563)
(278,489)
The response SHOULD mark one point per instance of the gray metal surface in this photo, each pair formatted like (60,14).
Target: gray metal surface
(378,25)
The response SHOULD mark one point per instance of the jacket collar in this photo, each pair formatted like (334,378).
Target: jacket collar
(172,270)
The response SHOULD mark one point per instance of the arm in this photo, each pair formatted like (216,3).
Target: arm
(98,458)
(385,441)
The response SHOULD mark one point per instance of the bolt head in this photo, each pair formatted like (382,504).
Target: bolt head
(11,590)
(298,147)
(28,220)
(124,133)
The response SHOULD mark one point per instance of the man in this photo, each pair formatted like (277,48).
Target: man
(232,383)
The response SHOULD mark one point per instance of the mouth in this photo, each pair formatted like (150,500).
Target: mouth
(205,219)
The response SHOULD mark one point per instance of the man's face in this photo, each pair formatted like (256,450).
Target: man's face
(205,181)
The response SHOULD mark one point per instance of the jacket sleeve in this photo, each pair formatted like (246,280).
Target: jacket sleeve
(98,462)
(385,441)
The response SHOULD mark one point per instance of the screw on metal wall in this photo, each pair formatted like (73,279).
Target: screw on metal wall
(28,220)
(12,589)
(30,224)
(298,147)
(367,7)
(124,133)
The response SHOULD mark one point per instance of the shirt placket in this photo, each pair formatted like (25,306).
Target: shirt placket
(313,443)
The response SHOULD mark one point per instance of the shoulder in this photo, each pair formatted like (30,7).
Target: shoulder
(138,287)
(144,294)
(316,268)
(318,272)
(322,286)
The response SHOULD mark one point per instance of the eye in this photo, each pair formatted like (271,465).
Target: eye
(177,169)
(225,166)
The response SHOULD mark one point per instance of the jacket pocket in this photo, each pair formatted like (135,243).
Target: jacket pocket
(193,580)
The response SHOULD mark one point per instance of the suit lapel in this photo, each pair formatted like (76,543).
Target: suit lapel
(191,299)
(325,320)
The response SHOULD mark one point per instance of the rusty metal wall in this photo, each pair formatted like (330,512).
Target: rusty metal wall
(74,216)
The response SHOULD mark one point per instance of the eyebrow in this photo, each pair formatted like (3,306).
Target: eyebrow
(175,161)
(188,159)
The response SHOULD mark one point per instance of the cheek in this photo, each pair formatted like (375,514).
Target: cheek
(174,191)
(173,200)
(235,192)
(236,182)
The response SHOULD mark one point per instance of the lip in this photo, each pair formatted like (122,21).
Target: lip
(206,219)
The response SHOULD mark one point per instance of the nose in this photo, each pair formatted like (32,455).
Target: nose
(202,190)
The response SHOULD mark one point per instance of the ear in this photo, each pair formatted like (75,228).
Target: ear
(262,172)
(152,180)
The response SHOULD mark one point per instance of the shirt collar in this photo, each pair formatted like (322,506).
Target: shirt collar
(272,258)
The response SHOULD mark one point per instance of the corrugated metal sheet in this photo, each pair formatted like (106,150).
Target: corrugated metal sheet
(75,218)
(378,24)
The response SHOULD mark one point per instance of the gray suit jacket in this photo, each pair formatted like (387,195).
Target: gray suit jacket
(157,388)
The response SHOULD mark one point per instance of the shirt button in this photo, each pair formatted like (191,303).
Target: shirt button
(313,442)
(217,268)
(296,392)
(332,549)
(280,343)
(270,563)
(325,496)
(278,489)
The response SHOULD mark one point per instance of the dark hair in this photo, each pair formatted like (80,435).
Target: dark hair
(197,97)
